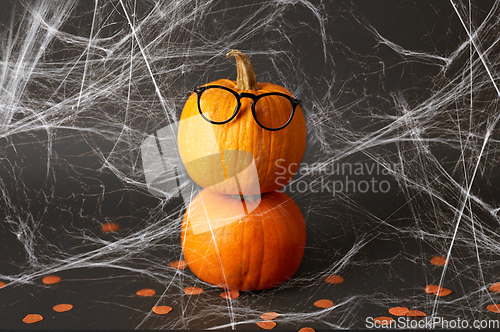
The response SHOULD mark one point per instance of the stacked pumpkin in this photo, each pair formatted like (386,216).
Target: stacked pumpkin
(239,232)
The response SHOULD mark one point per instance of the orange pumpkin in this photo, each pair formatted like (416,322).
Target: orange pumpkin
(204,146)
(229,248)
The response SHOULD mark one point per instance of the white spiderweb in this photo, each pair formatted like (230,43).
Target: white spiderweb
(408,84)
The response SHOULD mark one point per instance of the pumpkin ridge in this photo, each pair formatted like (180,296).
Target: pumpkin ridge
(284,134)
(286,146)
(288,226)
(257,135)
(270,153)
(277,233)
(271,228)
(225,276)
(244,253)
(283,147)
(220,139)
(289,223)
(263,242)
(252,133)
(237,147)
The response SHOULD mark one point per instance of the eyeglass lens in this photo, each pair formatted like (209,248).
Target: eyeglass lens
(218,105)
(273,111)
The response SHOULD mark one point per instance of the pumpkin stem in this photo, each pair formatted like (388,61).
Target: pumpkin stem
(246,78)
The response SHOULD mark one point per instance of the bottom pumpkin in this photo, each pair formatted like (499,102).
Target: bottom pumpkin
(229,248)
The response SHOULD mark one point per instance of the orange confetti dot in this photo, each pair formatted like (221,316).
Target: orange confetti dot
(50,280)
(179,265)
(494,308)
(323,304)
(435,289)
(383,320)
(334,279)
(32,318)
(495,287)
(161,309)
(266,325)
(269,315)
(432,289)
(307,329)
(230,295)
(193,290)
(2,284)
(399,311)
(62,307)
(110,227)
(146,292)
(439,261)
(443,292)
(416,313)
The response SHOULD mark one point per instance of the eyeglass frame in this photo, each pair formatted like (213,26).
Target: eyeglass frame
(255,98)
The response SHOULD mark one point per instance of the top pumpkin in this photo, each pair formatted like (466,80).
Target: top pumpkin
(220,142)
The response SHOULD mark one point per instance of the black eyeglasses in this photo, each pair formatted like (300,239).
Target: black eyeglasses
(219,104)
